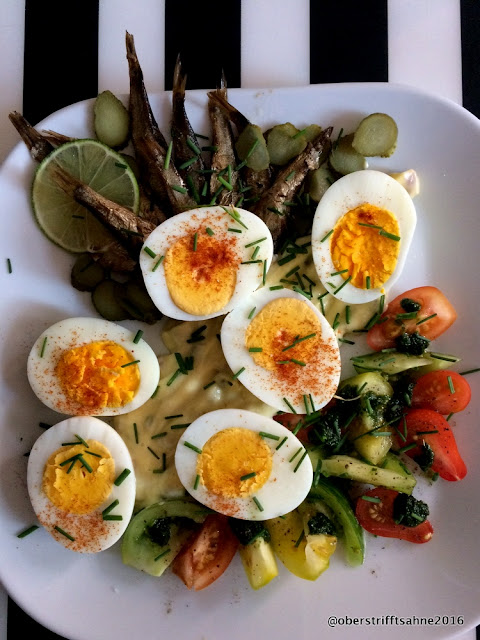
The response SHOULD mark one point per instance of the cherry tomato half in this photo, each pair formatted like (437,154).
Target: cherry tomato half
(431,427)
(433,305)
(207,554)
(377,518)
(444,391)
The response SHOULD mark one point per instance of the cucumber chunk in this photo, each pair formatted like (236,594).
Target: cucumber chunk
(86,273)
(252,147)
(338,503)
(389,363)
(111,120)
(353,469)
(140,551)
(106,300)
(318,182)
(284,142)
(259,562)
(344,158)
(376,135)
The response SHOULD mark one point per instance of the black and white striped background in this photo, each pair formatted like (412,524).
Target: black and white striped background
(55,53)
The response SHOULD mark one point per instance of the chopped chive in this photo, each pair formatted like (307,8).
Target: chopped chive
(188,162)
(240,165)
(149,252)
(252,262)
(138,336)
(337,273)
(336,322)
(113,518)
(125,473)
(407,448)
(255,252)
(9,265)
(84,463)
(344,283)
(441,356)
(464,373)
(191,446)
(257,502)
(264,434)
(427,318)
(300,461)
(250,315)
(251,244)
(240,371)
(155,392)
(292,271)
(159,435)
(289,405)
(72,464)
(388,235)
(209,231)
(410,315)
(199,135)
(275,210)
(178,415)
(44,425)
(281,443)
(160,555)
(400,434)
(174,377)
(44,344)
(226,184)
(180,426)
(158,263)
(345,341)
(327,235)
(306,403)
(128,364)
(27,532)
(449,416)
(264,276)
(178,188)
(248,476)
(300,538)
(193,146)
(373,320)
(81,441)
(381,304)
(295,454)
(367,224)
(110,507)
(307,294)
(210,147)
(135,432)
(195,241)
(197,482)
(424,433)
(91,453)
(255,349)
(367,282)
(450,384)
(64,533)
(311,402)
(252,149)
(282,362)
(285,259)
(168,155)
(371,499)
(299,362)
(297,340)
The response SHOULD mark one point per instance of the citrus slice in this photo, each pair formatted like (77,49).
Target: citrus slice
(64,221)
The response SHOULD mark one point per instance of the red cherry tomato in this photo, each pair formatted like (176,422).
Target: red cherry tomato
(207,554)
(444,391)
(290,420)
(418,423)
(377,518)
(432,303)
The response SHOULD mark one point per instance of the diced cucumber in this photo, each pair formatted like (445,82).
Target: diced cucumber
(376,135)
(138,548)
(319,181)
(343,157)
(86,273)
(393,463)
(437,361)
(252,147)
(106,300)
(389,363)
(259,562)
(111,120)
(284,142)
(347,467)
(339,504)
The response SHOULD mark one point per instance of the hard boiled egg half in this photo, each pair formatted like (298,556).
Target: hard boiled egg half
(243,465)
(81,483)
(282,349)
(90,366)
(361,234)
(200,263)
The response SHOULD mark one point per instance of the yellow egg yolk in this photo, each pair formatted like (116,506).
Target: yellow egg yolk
(228,460)
(98,375)
(78,479)
(201,272)
(365,245)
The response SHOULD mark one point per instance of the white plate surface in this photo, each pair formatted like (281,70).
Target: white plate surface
(96,597)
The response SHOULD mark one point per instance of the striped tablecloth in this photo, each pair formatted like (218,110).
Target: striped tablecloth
(54,53)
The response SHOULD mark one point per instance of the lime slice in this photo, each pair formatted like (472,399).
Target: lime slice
(64,221)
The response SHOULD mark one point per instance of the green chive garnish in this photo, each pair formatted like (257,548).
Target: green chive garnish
(295,454)
(297,340)
(464,373)
(300,538)
(255,349)
(407,448)
(257,502)
(193,146)
(110,507)
(64,533)
(255,252)
(160,555)
(424,433)
(138,336)
(125,473)
(264,434)
(158,263)
(128,364)
(289,405)
(27,532)
(116,518)
(191,446)
(325,237)
(427,318)
(450,384)
(155,392)
(180,426)
(299,362)
(195,241)
(135,431)
(240,371)
(149,252)
(207,386)
(251,244)
(367,282)
(388,235)
(9,265)
(344,340)
(159,435)
(300,461)
(281,443)
(197,481)
(44,344)
(178,188)
(367,224)
(210,231)
(449,416)
(248,476)
(153,453)
(337,273)
(250,315)
(344,283)
(371,499)
(188,163)
(166,164)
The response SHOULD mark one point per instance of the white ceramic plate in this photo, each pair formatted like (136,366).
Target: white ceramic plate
(96,597)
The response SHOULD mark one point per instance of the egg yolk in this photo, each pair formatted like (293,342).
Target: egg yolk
(201,272)
(79,478)
(98,375)
(365,246)
(235,462)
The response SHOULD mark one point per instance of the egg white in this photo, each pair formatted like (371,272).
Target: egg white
(261,382)
(284,490)
(74,332)
(100,534)
(249,276)
(345,194)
